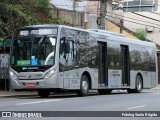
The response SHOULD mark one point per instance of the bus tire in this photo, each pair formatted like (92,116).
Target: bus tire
(43,93)
(104,91)
(84,86)
(138,84)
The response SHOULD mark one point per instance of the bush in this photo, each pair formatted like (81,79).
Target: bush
(140,34)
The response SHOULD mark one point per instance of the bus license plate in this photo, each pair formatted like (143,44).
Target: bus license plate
(30,84)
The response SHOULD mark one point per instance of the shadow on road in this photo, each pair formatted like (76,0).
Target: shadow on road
(70,95)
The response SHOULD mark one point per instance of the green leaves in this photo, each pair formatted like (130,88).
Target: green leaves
(140,34)
(19,13)
(12,16)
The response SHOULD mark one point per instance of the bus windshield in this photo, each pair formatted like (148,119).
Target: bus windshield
(35,51)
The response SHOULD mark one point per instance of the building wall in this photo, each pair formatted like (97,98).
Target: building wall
(112,15)
(153,33)
(154,30)
(113,28)
(92,11)
(67,16)
(93,8)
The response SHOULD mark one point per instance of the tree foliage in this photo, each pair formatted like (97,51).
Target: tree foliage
(140,34)
(18,13)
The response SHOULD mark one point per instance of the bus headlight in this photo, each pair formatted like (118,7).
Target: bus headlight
(49,74)
(12,75)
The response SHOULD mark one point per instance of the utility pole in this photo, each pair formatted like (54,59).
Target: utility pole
(103,10)
(145,33)
(121,26)
(74,12)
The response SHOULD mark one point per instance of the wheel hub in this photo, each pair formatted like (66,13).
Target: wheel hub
(84,86)
(139,85)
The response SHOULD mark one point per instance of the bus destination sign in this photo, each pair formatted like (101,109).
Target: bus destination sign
(44,31)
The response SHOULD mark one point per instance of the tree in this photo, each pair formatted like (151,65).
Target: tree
(19,13)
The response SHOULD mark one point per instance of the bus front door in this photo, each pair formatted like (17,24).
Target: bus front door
(125,65)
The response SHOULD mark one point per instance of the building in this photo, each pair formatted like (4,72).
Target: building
(148,21)
(112,21)
(63,10)
(92,12)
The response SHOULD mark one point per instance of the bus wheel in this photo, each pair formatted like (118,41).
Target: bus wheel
(43,93)
(104,91)
(84,86)
(138,84)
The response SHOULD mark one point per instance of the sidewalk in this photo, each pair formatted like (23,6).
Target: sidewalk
(156,88)
(17,93)
(34,93)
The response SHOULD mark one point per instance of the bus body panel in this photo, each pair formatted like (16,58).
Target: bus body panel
(114,78)
(149,79)
(39,83)
(93,72)
(71,79)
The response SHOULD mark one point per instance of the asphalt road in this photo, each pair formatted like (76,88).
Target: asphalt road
(117,101)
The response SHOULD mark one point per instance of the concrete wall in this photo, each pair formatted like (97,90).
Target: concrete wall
(67,15)
(92,11)
(153,34)
(113,28)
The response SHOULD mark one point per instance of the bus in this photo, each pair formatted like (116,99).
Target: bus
(52,58)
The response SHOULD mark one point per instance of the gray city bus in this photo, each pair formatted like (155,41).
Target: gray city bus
(53,58)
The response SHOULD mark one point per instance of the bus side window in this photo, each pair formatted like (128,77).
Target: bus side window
(66,54)
(64,47)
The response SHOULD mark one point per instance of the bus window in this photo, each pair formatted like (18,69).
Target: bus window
(49,51)
(113,56)
(145,59)
(152,60)
(21,52)
(64,47)
(66,54)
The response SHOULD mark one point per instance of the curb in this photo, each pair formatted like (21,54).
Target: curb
(9,94)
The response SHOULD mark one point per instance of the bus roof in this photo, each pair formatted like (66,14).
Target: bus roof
(106,32)
(109,35)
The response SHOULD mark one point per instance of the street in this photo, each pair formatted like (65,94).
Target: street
(148,100)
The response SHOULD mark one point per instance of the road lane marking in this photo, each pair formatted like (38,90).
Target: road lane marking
(44,101)
(156,93)
(136,107)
